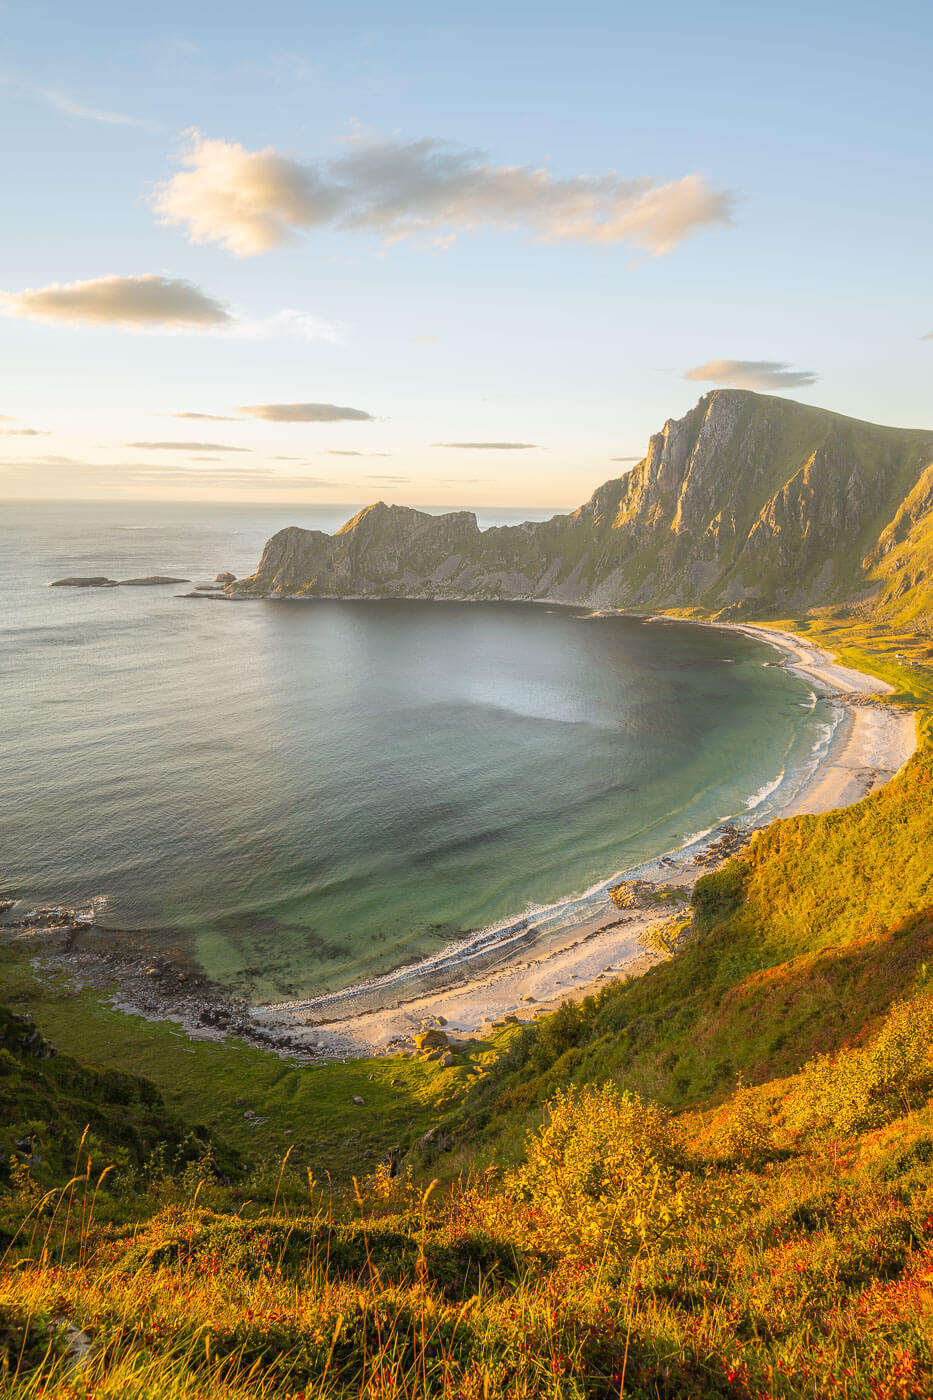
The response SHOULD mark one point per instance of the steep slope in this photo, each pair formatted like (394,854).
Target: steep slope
(747,502)
(902,560)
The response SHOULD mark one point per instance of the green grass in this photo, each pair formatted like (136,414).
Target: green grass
(306,1106)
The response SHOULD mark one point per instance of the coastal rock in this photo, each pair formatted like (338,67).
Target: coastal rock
(748,502)
(151,581)
(730,840)
(431,1039)
(95,581)
(225,578)
(101,581)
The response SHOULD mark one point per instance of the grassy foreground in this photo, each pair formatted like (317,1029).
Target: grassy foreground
(716,1180)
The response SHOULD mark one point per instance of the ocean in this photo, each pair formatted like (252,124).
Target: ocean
(300,795)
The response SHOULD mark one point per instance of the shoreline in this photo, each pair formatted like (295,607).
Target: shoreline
(518,970)
(870,743)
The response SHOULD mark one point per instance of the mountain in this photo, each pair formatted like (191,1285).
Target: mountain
(748,503)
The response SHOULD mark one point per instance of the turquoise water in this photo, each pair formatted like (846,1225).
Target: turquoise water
(301,795)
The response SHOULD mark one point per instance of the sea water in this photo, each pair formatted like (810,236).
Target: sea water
(300,795)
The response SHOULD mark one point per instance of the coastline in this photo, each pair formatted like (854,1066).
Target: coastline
(525,975)
(523,968)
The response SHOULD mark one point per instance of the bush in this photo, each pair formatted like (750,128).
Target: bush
(867,1086)
(744,1135)
(604,1173)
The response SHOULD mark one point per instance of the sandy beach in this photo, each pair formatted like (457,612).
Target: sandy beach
(471,988)
(527,966)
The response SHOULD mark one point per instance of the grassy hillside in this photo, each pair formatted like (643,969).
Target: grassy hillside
(714,1181)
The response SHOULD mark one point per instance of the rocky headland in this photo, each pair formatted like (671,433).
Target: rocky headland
(746,506)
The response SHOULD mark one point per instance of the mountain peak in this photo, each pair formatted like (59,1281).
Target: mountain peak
(748,501)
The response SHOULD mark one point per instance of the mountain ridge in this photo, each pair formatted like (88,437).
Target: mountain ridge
(748,504)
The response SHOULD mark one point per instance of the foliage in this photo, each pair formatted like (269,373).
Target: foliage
(604,1172)
(865,1086)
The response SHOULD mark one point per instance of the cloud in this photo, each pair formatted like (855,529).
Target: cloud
(202,417)
(252,201)
(752,374)
(305,413)
(139,302)
(346,452)
(5,418)
(394,480)
(71,107)
(48,461)
(22,432)
(927,337)
(424,340)
(625,459)
(490,446)
(67,478)
(285,325)
(187,446)
(205,459)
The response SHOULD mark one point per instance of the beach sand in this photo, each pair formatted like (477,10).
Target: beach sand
(531,972)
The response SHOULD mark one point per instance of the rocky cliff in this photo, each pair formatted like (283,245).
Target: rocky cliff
(748,503)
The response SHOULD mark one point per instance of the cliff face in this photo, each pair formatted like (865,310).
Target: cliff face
(747,502)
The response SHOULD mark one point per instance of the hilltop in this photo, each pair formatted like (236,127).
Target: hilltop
(747,505)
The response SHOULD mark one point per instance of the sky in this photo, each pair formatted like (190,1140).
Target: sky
(448,255)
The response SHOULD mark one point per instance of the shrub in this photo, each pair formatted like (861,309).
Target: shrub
(866,1086)
(604,1173)
(745,1130)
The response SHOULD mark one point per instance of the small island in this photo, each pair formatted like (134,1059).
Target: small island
(101,581)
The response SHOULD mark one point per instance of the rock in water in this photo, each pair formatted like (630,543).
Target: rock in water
(98,581)
(225,578)
(152,581)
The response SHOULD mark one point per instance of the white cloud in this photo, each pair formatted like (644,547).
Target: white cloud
(137,302)
(23,432)
(305,413)
(285,325)
(62,102)
(752,374)
(247,200)
(346,452)
(252,201)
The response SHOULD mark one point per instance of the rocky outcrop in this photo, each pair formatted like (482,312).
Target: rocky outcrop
(101,581)
(748,502)
(96,581)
